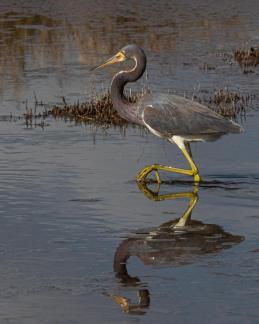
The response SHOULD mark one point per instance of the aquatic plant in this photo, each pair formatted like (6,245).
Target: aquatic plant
(229,103)
(247,59)
(99,110)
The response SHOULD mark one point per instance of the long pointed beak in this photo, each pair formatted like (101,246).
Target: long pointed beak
(119,57)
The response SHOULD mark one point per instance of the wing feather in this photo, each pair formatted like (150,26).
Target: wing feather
(174,115)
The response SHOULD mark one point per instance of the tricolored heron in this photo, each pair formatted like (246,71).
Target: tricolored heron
(177,119)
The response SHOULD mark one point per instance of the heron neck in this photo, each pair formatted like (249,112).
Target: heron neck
(126,109)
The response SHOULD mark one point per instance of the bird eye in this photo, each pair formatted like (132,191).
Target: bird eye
(123,52)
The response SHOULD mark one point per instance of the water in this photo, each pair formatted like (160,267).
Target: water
(68,200)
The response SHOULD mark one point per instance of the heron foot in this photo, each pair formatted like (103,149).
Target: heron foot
(141,177)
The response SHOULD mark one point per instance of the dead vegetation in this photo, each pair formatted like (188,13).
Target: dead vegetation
(247,59)
(230,104)
(99,110)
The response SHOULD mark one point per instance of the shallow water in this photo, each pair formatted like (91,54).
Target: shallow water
(68,200)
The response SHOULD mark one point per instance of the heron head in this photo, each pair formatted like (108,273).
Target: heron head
(126,53)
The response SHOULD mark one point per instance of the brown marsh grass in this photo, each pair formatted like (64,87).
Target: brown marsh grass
(247,59)
(230,104)
(99,110)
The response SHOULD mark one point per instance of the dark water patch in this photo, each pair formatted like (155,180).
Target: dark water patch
(226,185)
(247,182)
(86,200)
(254,216)
(9,118)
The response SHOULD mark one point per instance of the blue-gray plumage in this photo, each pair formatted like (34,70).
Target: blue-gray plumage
(172,117)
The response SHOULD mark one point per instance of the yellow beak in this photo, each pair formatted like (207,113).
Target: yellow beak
(119,57)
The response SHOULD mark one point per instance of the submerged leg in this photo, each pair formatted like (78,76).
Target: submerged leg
(155,167)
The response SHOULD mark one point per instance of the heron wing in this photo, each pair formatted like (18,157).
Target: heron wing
(171,115)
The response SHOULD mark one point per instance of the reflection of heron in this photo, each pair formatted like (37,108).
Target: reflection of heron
(174,118)
(176,242)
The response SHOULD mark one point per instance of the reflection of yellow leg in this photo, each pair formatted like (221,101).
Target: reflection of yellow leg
(187,214)
(158,197)
(193,195)
(155,167)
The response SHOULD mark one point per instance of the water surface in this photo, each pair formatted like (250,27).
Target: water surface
(68,200)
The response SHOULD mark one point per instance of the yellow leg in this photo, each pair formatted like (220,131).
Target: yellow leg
(155,167)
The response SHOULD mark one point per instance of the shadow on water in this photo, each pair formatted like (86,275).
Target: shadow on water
(174,243)
(228,182)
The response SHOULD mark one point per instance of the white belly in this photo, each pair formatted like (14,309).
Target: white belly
(179,140)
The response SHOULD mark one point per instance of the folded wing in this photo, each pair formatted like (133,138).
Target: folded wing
(174,115)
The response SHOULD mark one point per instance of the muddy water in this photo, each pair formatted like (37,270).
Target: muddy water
(71,212)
